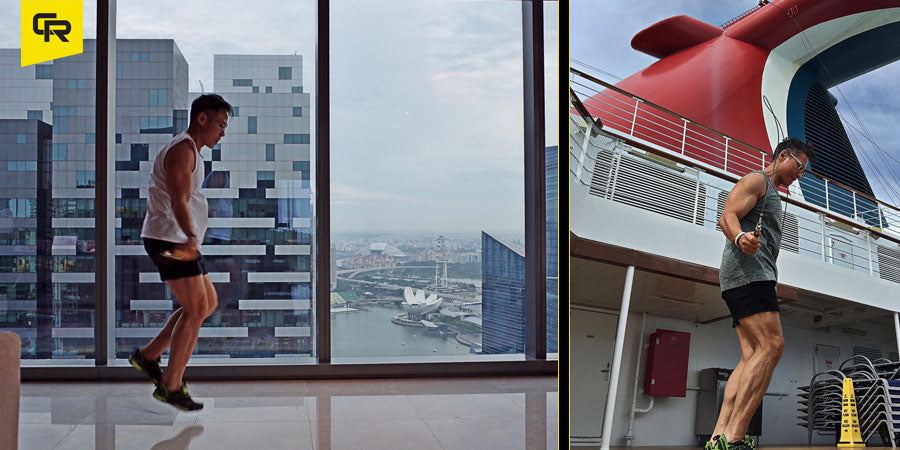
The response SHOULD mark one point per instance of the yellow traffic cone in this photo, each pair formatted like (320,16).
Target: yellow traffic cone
(850,435)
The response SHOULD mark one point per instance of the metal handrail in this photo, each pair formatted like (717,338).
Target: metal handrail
(866,210)
(815,232)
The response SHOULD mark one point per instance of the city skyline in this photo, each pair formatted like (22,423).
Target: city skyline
(436,162)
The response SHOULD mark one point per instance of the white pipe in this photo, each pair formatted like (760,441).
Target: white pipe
(648,408)
(897,330)
(617,361)
(629,435)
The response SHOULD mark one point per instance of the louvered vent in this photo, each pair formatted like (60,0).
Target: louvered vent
(888,263)
(790,238)
(648,186)
(868,352)
(601,180)
(835,157)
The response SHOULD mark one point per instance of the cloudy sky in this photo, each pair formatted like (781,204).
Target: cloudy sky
(601,36)
(426,106)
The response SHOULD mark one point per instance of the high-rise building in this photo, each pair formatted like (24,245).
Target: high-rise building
(503,278)
(550,198)
(25,240)
(503,295)
(257,182)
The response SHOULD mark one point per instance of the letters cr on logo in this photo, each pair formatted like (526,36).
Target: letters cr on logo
(60,28)
(51,29)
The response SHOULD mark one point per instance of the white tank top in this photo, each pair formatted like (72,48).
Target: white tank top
(160,222)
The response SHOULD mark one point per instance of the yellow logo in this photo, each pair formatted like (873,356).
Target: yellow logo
(51,29)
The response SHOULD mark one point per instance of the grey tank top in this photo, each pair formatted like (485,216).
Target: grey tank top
(739,268)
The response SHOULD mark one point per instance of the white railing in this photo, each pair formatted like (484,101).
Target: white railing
(614,169)
(626,115)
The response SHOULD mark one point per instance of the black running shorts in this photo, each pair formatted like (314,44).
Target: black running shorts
(172,269)
(750,299)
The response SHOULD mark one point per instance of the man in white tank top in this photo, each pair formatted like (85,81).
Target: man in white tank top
(173,229)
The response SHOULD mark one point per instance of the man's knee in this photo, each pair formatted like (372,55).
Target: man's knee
(211,304)
(194,314)
(775,347)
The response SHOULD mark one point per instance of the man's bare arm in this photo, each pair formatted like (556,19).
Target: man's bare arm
(743,197)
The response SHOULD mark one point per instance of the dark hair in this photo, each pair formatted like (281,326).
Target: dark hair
(207,103)
(798,146)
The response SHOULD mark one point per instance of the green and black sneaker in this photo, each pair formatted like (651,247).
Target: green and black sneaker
(711,444)
(180,398)
(750,442)
(151,368)
(723,444)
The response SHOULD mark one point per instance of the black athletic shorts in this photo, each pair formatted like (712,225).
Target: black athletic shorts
(172,269)
(749,299)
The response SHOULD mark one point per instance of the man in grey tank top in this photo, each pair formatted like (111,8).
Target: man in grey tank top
(172,237)
(752,224)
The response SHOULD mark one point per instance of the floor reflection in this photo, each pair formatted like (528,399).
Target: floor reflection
(460,413)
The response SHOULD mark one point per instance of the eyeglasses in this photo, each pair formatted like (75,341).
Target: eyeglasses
(222,125)
(800,167)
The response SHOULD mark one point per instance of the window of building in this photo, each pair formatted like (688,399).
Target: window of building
(43,72)
(86,179)
(158,97)
(60,152)
(296,138)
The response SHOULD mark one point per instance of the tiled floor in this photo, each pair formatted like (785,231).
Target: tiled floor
(462,413)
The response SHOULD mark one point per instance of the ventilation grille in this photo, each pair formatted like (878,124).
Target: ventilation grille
(868,352)
(835,157)
(790,238)
(601,179)
(888,263)
(646,185)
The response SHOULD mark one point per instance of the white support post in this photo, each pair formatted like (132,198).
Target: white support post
(617,160)
(697,200)
(584,146)
(683,134)
(826,196)
(822,218)
(634,118)
(869,245)
(897,330)
(725,168)
(606,435)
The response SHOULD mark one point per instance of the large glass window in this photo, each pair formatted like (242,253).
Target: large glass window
(428,232)
(46,157)
(258,245)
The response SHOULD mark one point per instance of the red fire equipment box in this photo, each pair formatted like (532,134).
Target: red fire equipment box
(667,363)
